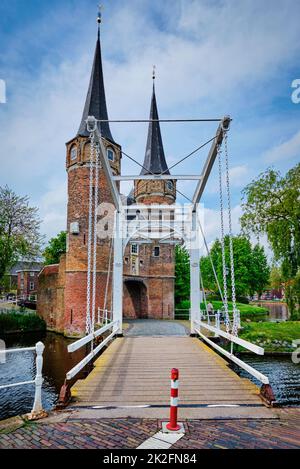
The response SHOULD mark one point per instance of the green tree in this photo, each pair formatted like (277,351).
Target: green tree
(19,230)
(276,278)
(56,247)
(250,265)
(271,206)
(260,271)
(182,275)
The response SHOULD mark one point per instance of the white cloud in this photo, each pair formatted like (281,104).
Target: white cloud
(284,151)
(212,226)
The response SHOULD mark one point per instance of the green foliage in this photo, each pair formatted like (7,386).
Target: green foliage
(254,313)
(251,312)
(272,207)
(30,322)
(184,304)
(250,264)
(56,247)
(273,336)
(19,230)
(276,278)
(182,276)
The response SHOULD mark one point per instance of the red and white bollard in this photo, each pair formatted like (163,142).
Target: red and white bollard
(173,425)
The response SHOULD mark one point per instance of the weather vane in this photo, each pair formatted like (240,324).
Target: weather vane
(153,72)
(99,17)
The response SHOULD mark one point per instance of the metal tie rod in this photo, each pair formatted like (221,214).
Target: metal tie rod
(158,120)
(183,177)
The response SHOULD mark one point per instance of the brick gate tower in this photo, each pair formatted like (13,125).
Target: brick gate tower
(78,168)
(62,296)
(148,268)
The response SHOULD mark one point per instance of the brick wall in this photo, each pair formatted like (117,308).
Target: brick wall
(50,297)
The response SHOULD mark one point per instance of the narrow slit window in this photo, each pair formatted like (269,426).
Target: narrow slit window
(156,251)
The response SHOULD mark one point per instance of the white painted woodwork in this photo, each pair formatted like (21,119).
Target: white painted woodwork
(243,343)
(236,360)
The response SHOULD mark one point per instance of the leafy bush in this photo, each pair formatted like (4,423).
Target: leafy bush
(272,336)
(184,304)
(243,299)
(21,322)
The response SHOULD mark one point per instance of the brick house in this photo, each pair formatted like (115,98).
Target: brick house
(149,269)
(27,283)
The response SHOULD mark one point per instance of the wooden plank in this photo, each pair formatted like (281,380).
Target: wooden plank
(136,371)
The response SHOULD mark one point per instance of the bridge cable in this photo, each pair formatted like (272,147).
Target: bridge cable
(224,269)
(108,275)
(89,246)
(96,196)
(236,314)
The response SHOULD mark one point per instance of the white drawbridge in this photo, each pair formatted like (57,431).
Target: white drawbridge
(176,224)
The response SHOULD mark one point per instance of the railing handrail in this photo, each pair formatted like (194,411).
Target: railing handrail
(243,343)
(89,338)
(14,350)
(248,345)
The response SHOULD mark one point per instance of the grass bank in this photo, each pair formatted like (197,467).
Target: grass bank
(274,337)
(19,322)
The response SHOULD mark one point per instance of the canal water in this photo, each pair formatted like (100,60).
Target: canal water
(284,375)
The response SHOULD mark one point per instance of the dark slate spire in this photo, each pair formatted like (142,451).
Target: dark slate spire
(155,161)
(95,104)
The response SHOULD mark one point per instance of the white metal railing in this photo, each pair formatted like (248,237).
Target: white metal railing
(103,316)
(90,338)
(234,339)
(182,313)
(38,381)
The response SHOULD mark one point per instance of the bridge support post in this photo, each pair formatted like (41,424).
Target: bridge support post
(195,297)
(117,309)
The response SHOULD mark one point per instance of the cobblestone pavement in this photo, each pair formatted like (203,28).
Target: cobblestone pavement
(153,327)
(81,434)
(244,434)
(130,433)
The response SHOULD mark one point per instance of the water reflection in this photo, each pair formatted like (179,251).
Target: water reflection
(277,311)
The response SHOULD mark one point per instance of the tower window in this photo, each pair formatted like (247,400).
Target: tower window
(134,249)
(170,185)
(156,251)
(110,154)
(73,153)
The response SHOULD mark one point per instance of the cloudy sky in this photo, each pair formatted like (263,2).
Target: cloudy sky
(213,58)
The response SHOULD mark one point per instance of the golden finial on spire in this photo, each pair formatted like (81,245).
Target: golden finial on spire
(99,17)
(154,72)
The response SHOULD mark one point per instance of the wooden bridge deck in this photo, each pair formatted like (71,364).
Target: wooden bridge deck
(134,373)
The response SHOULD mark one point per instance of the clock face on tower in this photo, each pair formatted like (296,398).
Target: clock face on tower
(73,153)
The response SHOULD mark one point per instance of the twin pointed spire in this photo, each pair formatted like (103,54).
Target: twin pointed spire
(155,161)
(95,105)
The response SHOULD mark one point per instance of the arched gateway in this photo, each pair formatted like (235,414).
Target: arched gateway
(135,305)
